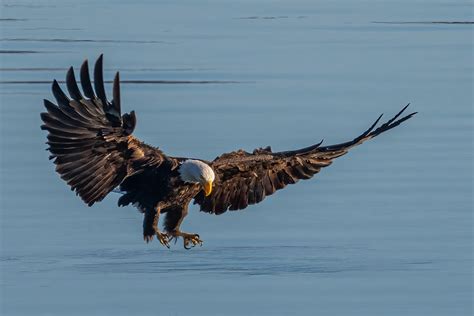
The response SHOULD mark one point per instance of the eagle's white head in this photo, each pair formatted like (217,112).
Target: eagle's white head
(195,171)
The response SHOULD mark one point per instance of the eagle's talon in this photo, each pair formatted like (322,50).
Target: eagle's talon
(164,239)
(187,244)
(189,240)
(194,239)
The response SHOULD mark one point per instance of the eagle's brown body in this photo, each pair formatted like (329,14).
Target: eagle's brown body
(93,148)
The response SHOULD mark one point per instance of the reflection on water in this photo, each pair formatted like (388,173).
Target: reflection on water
(386,230)
(237,260)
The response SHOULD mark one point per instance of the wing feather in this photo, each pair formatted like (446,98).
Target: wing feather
(87,140)
(99,81)
(116,94)
(86,80)
(247,178)
(72,87)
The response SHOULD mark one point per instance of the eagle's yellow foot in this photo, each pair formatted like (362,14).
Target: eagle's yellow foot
(163,238)
(189,240)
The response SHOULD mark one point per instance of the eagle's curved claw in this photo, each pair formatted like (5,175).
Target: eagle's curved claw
(164,239)
(189,240)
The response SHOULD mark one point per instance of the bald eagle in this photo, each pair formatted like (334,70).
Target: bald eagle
(95,152)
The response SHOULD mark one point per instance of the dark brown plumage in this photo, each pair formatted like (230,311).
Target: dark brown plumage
(94,150)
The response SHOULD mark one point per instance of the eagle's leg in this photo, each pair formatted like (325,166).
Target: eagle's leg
(150,227)
(174,218)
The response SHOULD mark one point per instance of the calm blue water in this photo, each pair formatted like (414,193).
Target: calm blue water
(386,230)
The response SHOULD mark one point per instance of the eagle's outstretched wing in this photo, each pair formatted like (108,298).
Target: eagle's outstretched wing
(247,178)
(89,140)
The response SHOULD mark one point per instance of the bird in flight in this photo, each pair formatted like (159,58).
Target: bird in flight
(95,152)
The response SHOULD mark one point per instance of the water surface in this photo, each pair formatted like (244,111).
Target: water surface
(386,230)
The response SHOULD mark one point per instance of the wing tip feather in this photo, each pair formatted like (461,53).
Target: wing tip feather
(99,80)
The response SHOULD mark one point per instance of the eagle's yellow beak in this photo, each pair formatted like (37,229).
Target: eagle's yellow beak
(207,187)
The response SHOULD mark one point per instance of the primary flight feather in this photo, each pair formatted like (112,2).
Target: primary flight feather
(94,150)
